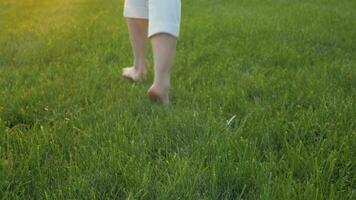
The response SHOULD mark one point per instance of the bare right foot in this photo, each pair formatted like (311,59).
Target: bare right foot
(134,74)
(158,94)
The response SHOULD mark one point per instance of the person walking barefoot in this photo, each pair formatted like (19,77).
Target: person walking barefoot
(159,21)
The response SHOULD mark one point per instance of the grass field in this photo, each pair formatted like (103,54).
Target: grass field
(263,103)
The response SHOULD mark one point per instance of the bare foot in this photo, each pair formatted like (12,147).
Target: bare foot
(158,95)
(133,74)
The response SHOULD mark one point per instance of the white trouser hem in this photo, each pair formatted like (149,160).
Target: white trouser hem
(169,28)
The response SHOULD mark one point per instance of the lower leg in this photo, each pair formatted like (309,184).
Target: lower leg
(138,29)
(164,48)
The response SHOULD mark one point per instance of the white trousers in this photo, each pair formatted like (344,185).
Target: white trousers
(163,15)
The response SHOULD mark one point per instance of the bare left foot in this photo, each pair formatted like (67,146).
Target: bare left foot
(133,74)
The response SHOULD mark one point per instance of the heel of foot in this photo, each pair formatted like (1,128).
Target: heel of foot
(156,96)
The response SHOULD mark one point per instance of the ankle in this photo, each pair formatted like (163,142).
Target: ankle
(163,86)
(140,64)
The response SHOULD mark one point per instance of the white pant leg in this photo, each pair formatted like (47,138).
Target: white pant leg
(136,9)
(164,17)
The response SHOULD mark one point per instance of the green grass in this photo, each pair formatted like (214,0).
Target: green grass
(284,71)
